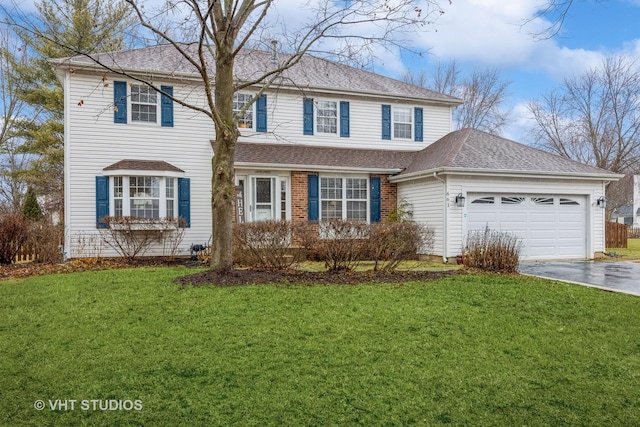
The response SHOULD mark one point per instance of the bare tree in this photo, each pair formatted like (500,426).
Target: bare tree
(218,32)
(12,161)
(594,118)
(483,91)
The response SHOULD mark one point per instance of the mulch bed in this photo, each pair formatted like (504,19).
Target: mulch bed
(237,277)
(256,277)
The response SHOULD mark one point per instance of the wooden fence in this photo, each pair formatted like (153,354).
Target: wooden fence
(26,253)
(616,235)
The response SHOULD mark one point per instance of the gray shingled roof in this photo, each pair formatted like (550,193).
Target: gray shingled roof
(143,165)
(471,149)
(463,150)
(626,210)
(310,73)
(312,156)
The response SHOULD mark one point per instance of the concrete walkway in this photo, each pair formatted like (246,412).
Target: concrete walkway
(614,276)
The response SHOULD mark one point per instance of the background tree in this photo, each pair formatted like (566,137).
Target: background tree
(483,91)
(210,35)
(60,29)
(12,161)
(593,118)
(31,208)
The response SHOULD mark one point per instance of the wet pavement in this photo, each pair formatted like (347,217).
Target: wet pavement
(613,276)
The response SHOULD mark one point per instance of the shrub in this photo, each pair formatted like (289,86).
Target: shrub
(131,237)
(393,242)
(47,239)
(340,244)
(14,231)
(491,250)
(264,243)
(31,208)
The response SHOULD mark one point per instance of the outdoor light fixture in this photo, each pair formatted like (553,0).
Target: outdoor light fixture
(601,202)
(460,200)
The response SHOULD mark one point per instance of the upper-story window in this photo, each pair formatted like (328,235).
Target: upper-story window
(240,101)
(138,103)
(144,104)
(327,117)
(402,122)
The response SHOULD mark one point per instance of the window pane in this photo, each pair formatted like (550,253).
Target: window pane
(331,188)
(331,209)
(170,188)
(117,186)
(145,208)
(263,190)
(170,209)
(357,211)
(117,207)
(356,188)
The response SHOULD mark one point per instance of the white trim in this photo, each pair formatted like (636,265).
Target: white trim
(314,168)
(126,196)
(505,173)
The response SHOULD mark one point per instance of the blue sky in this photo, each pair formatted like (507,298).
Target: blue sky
(488,33)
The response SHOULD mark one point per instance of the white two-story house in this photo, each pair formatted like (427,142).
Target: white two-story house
(324,141)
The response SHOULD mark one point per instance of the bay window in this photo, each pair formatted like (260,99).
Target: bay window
(148,197)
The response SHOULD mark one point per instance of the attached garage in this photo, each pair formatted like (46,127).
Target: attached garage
(470,180)
(549,226)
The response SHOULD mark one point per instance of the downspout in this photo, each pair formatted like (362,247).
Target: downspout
(445,246)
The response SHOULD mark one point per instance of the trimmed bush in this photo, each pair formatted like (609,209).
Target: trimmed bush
(263,244)
(340,244)
(393,242)
(491,250)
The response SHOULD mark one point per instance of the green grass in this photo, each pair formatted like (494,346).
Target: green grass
(631,252)
(466,350)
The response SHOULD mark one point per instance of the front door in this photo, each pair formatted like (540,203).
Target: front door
(264,199)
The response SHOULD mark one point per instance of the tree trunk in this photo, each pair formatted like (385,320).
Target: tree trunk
(223,180)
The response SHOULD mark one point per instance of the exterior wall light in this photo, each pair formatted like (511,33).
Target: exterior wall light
(601,202)
(460,199)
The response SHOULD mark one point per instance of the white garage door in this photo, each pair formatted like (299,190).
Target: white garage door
(551,227)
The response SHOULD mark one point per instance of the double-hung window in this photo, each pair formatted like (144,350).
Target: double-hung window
(343,198)
(144,104)
(327,117)
(402,122)
(240,101)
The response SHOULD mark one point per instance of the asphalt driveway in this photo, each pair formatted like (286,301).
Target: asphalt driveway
(613,276)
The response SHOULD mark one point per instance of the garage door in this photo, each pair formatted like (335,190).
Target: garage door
(551,227)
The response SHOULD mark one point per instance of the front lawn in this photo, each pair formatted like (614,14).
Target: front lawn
(463,350)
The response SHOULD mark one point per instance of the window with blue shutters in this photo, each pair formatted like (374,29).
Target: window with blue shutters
(145,197)
(138,103)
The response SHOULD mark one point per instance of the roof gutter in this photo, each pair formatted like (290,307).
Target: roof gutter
(289,167)
(506,174)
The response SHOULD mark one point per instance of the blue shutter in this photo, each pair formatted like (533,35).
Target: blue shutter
(375,198)
(102,200)
(120,102)
(261,113)
(386,121)
(344,119)
(307,116)
(417,112)
(184,200)
(313,205)
(166,107)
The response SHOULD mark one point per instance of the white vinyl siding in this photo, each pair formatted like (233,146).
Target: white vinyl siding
(96,142)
